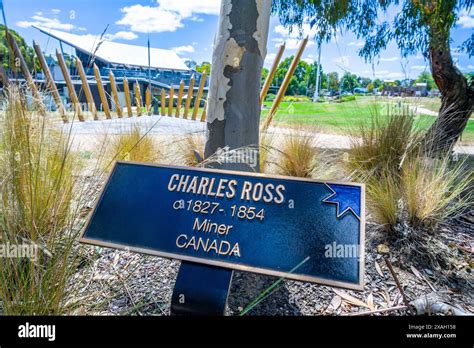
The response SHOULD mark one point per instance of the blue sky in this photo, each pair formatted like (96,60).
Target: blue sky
(189,26)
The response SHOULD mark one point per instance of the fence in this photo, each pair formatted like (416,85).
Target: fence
(176,104)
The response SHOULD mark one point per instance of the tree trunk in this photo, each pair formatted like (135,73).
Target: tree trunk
(233,114)
(457,102)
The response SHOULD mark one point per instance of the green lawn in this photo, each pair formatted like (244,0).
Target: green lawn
(340,118)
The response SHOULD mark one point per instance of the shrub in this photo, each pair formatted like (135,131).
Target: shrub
(296,98)
(38,209)
(345,98)
(270,97)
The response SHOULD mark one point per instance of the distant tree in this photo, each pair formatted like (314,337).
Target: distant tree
(364,81)
(420,26)
(426,77)
(333,81)
(377,83)
(191,64)
(349,81)
(370,87)
(205,66)
(27,52)
(264,76)
(299,80)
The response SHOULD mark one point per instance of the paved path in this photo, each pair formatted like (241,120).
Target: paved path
(163,126)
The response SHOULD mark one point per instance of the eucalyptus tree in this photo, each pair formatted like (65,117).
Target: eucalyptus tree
(419,26)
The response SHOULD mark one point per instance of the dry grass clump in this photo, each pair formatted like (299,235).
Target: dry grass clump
(382,143)
(266,145)
(404,184)
(435,189)
(37,211)
(134,145)
(191,150)
(298,156)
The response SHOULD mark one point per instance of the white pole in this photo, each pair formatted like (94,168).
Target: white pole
(316,87)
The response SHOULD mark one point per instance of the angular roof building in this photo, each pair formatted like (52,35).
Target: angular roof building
(165,68)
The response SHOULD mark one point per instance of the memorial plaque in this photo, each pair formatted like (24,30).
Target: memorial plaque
(283,226)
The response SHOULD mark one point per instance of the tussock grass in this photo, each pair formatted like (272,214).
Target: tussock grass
(266,146)
(383,197)
(435,189)
(191,150)
(133,145)
(37,209)
(298,156)
(382,143)
(403,183)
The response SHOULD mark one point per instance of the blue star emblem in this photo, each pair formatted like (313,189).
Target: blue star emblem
(347,198)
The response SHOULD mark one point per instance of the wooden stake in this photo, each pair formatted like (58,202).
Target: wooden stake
(284,85)
(163,103)
(70,86)
(189,97)
(204,112)
(128,101)
(113,87)
(180,98)
(271,74)
(138,98)
(171,101)
(148,101)
(26,73)
(50,81)
(86,88)
(100,87)
(197,102)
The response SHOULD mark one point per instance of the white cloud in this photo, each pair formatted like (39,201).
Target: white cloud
(391,59)
(356,43)
(419,57)
(121,35)
(50,23)
(184,49)
(308,60)
(466,20)
(168,15)
(389,75)
(291,44)
(343,60)
(418,67)
(188,8)
(296,32)
(470,66)
(147,19)
(292,36)
(269,59)
(55,10)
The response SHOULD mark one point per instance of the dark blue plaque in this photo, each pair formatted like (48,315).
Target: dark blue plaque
(290,227)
